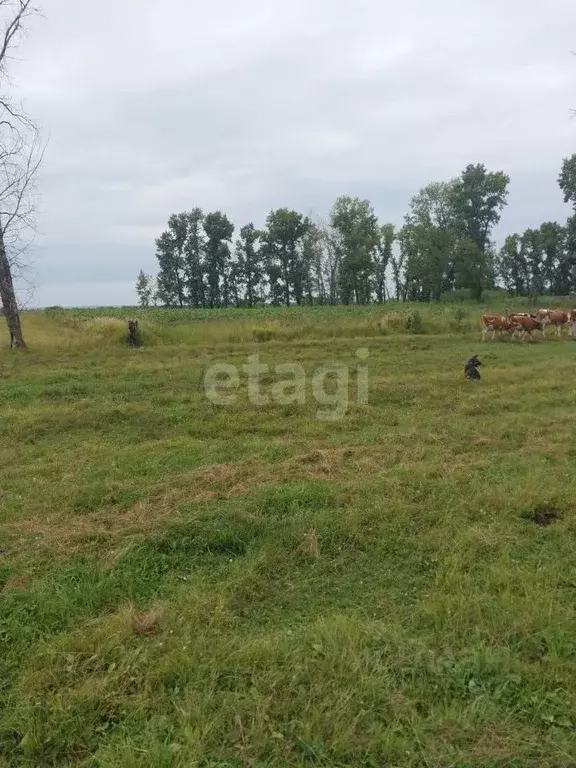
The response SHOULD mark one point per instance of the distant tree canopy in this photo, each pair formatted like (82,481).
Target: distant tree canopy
(443,246)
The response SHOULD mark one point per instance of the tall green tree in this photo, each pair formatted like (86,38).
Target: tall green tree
(276,290)
(328,265)
(570,254)
(312,266)
(566,276)
(567,180)
(430,240)
(398,262)
(194,259)
(412,284)
(359,236)
(427,261)
(302,259)
(178,228)
(473,267)
(249,269)
(171,288)
(512,266)
(432,206)
(283,244)
(235,285)
(219,231)
(556,265)
(145,289)
(382,259)
(533,255)
(478,199)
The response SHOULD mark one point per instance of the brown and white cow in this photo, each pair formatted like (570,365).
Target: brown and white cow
(525,325)
(495,323)
(557,318)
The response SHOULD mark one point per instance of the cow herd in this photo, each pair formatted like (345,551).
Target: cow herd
(525,324)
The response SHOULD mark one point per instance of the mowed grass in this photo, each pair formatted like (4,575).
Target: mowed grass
(187,584)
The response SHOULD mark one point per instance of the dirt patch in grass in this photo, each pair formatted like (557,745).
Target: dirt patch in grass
(543,515)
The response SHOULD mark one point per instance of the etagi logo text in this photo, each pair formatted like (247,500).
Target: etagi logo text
(329,384)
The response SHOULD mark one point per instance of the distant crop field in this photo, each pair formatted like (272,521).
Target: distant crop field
(297,575)
(83,328)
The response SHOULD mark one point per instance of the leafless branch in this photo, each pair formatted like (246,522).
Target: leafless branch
(18,12)
(21,154)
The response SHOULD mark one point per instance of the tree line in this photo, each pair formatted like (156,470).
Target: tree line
(351,257)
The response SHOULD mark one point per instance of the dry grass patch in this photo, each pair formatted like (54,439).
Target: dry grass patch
(146,623)
(310,547)
(16,584)
(72,534)
(64,537)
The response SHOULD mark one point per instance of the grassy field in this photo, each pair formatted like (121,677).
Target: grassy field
(185,584)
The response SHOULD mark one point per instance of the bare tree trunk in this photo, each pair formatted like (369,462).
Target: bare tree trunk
(8,298)
(20,158)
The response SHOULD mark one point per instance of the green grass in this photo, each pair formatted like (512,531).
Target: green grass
(436,626)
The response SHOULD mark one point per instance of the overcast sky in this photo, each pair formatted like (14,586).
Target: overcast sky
(246,105)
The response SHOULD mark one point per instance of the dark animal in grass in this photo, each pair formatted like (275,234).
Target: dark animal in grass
(471,369)
(133,339)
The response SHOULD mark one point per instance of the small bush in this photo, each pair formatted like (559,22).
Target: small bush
(402,322)
(415,323)
(459,321)
(113,330)
(394,321)
(262,334)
